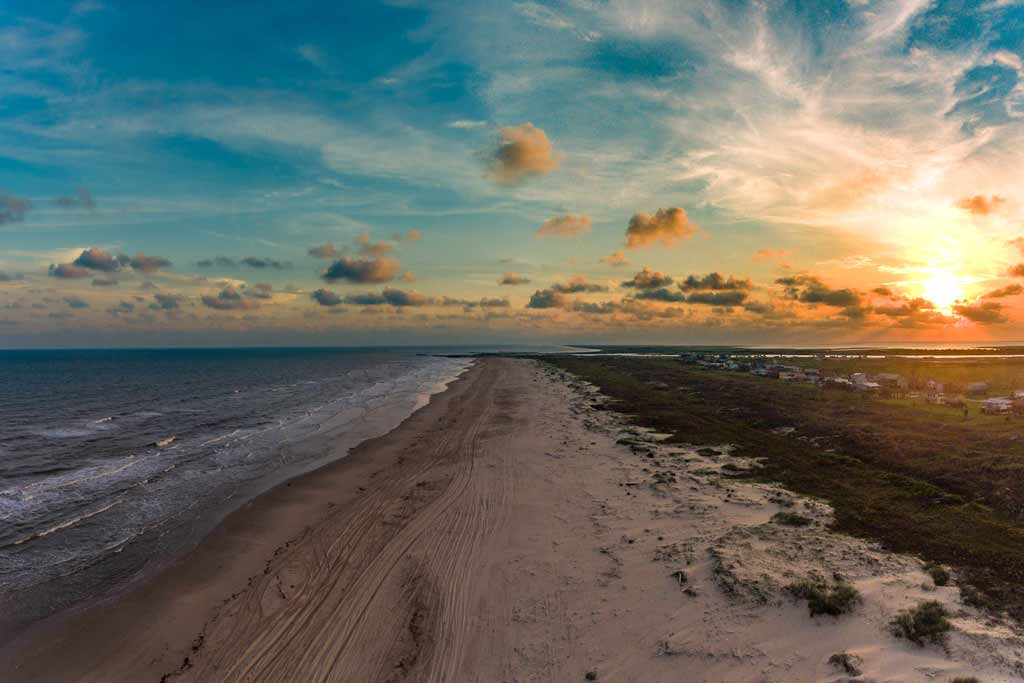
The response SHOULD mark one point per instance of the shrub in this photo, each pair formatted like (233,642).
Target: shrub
(965,679)
(791,519)
(926,622)
(845,662)
(938,573)
(839,598)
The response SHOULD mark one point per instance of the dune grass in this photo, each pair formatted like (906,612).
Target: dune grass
(929,483)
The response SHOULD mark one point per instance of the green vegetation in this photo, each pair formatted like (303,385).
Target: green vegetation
(965,679)
(839,598)
(928,622)
(938,573)
(917,479)
(791,519)
(845,662)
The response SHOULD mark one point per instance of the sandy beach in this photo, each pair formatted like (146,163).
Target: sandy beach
(513,530)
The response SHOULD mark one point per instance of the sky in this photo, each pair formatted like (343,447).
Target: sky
(382,173)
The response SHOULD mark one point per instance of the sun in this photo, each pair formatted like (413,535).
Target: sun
(943,290)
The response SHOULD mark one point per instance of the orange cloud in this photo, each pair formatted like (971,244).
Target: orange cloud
(523,151)
(770,254)
(985,313)
(617,258)
(513,279)
(566,225)
(981,205)
(667,226)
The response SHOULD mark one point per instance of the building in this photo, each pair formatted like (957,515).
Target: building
(997,406)
(976,388)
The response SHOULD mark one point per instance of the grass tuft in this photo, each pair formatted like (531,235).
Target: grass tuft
(791,519)
(839,598)
(928,622)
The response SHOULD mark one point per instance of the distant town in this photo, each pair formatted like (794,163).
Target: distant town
(884,384)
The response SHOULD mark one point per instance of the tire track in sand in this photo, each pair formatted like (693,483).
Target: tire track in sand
(380,590)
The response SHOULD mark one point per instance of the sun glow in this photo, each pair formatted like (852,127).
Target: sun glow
(943,289)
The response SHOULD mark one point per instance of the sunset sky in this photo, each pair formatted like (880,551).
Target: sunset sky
(477,172)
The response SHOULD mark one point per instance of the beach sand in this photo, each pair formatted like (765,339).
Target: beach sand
(513,530)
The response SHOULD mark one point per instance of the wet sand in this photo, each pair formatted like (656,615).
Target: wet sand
(505,533)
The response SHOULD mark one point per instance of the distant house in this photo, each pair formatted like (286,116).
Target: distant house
(997,406)
(934,387)
(976,388)
(859,378)
(1018,393)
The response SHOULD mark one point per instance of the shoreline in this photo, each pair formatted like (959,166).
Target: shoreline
(229,526)
(334,438)
(517,529)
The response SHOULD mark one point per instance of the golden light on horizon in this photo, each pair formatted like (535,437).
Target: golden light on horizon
(943,289)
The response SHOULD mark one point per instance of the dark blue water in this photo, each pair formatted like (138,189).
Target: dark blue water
(111,461)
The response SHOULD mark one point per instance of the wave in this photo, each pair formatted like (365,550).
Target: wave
(63,525)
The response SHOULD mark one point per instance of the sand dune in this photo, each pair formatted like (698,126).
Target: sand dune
(511,531)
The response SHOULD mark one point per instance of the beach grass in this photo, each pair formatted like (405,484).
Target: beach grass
(917,479)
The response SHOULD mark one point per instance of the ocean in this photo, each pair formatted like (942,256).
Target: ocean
(112,462)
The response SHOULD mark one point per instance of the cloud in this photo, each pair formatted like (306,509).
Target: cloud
(82,199)
(218,261)
(68,271)
(325,297)
(547,298)
(13,209)
(148,264)
(411,235)
(394,297)
(75,302)
(259,263)
(980,205)
(667,226)
(770,254)
(466,124)
(229,299)
(10,277)
(361,270)
(617,258)
(522,152)
(513,279)
(1009,290)
(105,281)
(715,281)
(166,301)
(648,279)
(121,308)
(661,294)
(578,284)
(909,307)
(326,250)
(312,54)
(566,225)
(715,298)
(368,248)
(260,290)
(809,289)
(983,313)
(1016,271)
(883,291)
(95,258)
